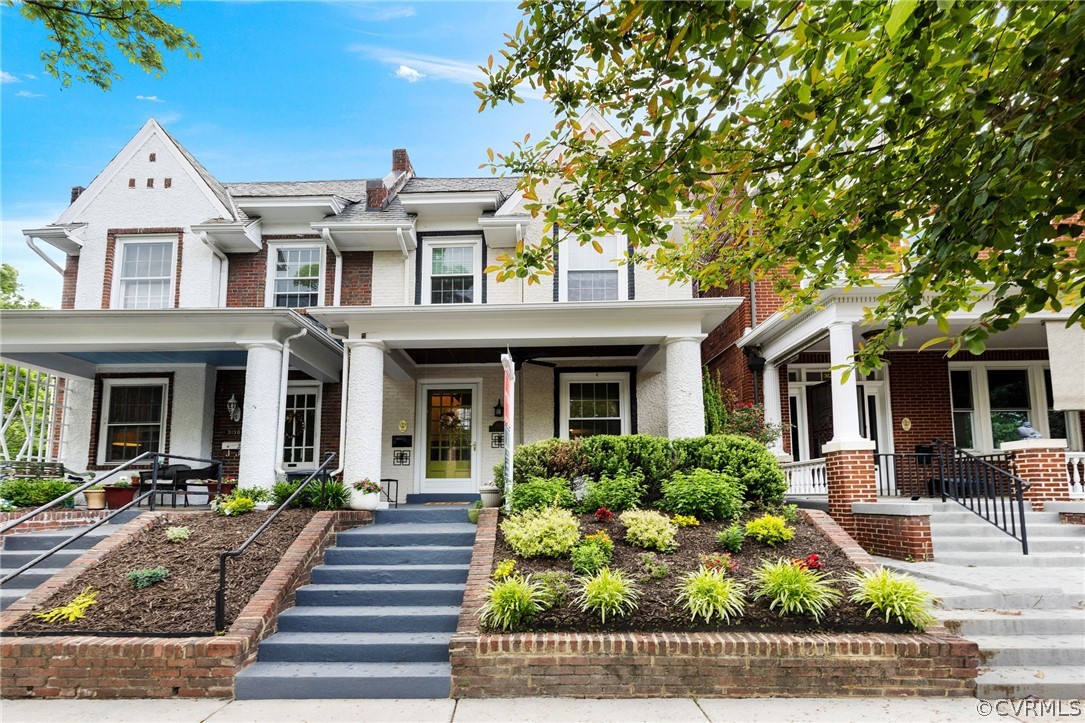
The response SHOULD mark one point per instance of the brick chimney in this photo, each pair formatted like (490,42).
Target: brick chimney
(375,195)
(76,192)
(400,161)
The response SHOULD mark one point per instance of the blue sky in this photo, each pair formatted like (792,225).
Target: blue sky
(285,91)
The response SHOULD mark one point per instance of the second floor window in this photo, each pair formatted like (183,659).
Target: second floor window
(452,273)
(589,275)
(146,275)
(297,277)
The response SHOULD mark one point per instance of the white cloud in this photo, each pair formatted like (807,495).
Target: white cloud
(409,74)
(30,76)
(151,98)
(6,77)
(391,12)
(28,94)
(430,66)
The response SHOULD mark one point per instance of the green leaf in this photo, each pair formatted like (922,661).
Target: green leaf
(902,10)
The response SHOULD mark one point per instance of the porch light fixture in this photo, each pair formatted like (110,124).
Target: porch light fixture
(499,409)
(232,408)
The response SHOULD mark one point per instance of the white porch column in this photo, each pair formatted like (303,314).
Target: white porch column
(260,415)
(685,397)
(845,394)
(365,411)
(770,376)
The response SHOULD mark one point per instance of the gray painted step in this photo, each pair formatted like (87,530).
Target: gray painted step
(426,594)
(344,680)
(370,619)
(420,555)
(1065,682)
(1011,622)
(408,535)
(343,574)
(1039,559)
(1047,529)
(421,499)
(1005,543)
(47,540)
(356,647)
(1025,650)
(421,515)
(33,577)
(11,561)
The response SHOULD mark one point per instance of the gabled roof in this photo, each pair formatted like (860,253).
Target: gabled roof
(505,185)
(351,189)
(205,174)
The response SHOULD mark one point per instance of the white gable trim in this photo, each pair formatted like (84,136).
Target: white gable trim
(150,129)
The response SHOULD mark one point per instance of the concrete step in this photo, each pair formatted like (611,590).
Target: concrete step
(424,498)
(33,577)
(10,594)
(408,535)
(370,619)
(345,574)
(11,561)
(1006,559)
(1027,650)
(356,647)
(1065,682)
(419,555)
(1014,622)
(344,680)
(47,540)
(417,515)
(1005,543)
(984,529)
(425,594)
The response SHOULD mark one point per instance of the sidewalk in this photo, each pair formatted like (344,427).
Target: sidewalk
(679,710)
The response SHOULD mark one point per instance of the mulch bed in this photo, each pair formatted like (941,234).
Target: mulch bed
(185,601)
(657,611)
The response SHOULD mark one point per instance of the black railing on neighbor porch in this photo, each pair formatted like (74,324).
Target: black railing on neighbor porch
(154,458)
(906,474)
(220,594)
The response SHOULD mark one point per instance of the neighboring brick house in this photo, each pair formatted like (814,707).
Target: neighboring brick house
(267,323)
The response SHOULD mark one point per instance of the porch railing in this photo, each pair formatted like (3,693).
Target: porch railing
(1075,473)
(906,474)
(985,485)
(806,478)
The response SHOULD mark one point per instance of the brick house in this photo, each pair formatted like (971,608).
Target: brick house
(267,323)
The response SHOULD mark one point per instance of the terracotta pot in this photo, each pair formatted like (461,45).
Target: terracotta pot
(95,499)
(117,497)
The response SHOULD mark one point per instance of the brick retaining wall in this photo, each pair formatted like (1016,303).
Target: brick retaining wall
(599,665)
(74,666)
(53,520)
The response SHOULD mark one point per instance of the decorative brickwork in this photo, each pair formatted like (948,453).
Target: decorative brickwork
(1041,463)
(850,477)
(52,520)
(638,665)
(126,667)
(901,537)
(71,276)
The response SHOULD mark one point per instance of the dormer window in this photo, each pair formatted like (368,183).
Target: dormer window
(588,275)
(295,275)
(145,280)
(452,272)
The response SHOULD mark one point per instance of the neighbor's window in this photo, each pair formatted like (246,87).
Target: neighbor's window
(960,383)
(1010,405)
(297,277)
(134,419)
(146,275)
(452,273)
(591,275)
(594,403)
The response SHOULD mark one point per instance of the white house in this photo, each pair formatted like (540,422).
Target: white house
(267,323)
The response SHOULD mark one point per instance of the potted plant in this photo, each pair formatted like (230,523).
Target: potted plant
(119,493)
(226,486)
(491,495)
(473,512)
(95,497)
(365,494)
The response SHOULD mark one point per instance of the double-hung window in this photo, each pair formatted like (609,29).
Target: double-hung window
(145,276)
(452,272)
(133,418)
(295,276)
(594,403)
(591,275)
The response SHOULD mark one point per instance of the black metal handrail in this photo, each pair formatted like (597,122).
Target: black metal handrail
(220,594)
(905,474)
(155,457)
(984,485)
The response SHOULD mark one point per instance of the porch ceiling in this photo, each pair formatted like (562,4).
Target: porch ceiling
(493,355)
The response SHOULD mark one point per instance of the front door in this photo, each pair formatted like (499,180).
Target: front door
(301,427)
(449,437)
(819,411)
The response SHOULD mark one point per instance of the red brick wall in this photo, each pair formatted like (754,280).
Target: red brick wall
(248,275)
(1072,518)
(1045,471)
(52,520)
(247,278)
(227,382)
(357,287)
(850,476)
(71,275)
(896,536)
(96,411)
(110,258)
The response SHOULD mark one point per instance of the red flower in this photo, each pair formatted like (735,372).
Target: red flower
(604,515)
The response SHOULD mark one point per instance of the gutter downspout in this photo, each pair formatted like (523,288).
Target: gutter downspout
(338,289)
(284,376)
(406,267)
(753,304)
(343,386)
(44,256)
(224,267)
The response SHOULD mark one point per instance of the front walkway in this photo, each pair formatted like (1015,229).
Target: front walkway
(680,710)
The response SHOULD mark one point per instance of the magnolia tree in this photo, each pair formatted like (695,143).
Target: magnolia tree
(823,138)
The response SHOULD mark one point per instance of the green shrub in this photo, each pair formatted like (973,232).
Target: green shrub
(686,521)
(542,532)
(748,461)
(793,589)
(652,567)
(650,530)
(557,586)
(538,492)
(895,594)
(177,533)
(622,492)
(731,539)
(614,456)
(770,530)
(256,494)
(504,569)
(703,494)
(592,553)
(232,505)
(546,459)
(148,576)
(608,592)
(511,602)
(707,595)
(6,506)
(35,492)
(281,492)
(790,513)
(329,495)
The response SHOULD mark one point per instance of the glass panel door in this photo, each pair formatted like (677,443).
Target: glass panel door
(301,428)
(449,434)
